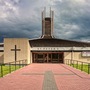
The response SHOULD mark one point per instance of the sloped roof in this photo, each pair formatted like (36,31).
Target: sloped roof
(1,44)
(54,42)
(1,47)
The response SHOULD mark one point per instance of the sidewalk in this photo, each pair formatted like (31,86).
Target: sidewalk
(46,77)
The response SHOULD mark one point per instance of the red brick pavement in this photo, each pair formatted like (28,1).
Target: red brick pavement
(31,77)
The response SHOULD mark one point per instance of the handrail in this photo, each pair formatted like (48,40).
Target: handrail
(13,61)
(76,60)
(83,66)
(10,66)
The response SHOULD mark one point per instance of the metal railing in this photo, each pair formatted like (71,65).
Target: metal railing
(6,68)
(83,66)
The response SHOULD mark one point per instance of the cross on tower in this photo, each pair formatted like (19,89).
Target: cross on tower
(15,50)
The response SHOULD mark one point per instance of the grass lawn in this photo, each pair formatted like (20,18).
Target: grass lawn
(83,68)
(6,69)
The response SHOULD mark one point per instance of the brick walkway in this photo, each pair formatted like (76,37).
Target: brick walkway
(46,77)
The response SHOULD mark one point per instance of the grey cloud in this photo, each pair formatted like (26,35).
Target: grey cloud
(77,14)
(71,20)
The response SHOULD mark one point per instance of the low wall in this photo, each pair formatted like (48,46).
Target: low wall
(76,56)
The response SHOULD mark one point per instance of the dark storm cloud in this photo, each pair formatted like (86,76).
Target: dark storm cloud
(72,20)
(22,18)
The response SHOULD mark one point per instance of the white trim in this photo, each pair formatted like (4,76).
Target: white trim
(1,43)
(60,48)
(1,48)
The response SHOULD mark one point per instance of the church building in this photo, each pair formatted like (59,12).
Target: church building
(46,49)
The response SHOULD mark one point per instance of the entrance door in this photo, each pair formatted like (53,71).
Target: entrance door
(40,58)
(61,57)
(49,57)
(55,57)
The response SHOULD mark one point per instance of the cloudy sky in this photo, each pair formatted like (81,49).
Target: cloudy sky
(22,18)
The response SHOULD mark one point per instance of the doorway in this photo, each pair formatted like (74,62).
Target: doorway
(47,57)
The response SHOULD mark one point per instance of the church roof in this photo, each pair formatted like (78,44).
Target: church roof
(54,42)
(1,47)
(1,44)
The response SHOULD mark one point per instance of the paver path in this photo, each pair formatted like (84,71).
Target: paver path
(46,77)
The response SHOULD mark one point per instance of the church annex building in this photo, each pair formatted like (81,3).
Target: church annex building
(46,49)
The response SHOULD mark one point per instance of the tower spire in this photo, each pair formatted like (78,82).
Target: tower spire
(47,24)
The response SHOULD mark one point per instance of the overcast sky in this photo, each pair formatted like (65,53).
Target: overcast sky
(22,18)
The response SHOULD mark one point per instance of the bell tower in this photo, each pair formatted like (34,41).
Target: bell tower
(47,24)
